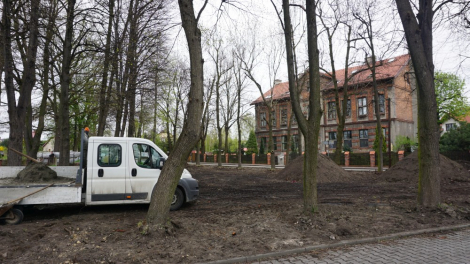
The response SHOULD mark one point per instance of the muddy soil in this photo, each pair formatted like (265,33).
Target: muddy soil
(239,213)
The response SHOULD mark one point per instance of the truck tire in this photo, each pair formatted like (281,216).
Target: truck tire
(18,217)
(178,199)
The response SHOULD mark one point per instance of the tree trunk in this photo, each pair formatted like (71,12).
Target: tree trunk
(65,80)
(158,214)
(419,37)
(310,127)
(131,64)
(45,79)
(14,112)
(29,80)
(103,110)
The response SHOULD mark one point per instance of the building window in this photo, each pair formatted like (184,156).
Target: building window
(295,143)
(262,118)
(275,143)
(364,138)
(348,107)
(332,138)
(273,115)
(347,138)
(109,155)
(284,117)
(362,106)
(284,143)
(382,103)
(450,126)
(331,110)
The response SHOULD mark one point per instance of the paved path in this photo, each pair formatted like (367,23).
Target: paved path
(452,247)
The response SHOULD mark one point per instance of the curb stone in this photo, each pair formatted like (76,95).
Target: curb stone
(258,257)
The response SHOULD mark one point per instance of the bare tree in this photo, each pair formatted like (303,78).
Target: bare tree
(104,94)
(249,62)
(418,31)
(222,68)
(310,126)
(158,214)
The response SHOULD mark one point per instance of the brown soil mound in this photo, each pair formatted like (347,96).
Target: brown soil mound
(328,170)
(407,170)
(464,163)
(36,172)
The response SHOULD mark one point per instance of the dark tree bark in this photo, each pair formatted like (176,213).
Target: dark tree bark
(418,32)
(310,127)
(103,111)
(29,80)
(65,80)
(131,63)
(36,141)
(15,112)
(158,214)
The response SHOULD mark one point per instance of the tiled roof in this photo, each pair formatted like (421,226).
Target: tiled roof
(279,91)
(386,69)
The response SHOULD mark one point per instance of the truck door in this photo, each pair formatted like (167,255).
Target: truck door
(143,170)
(108,173)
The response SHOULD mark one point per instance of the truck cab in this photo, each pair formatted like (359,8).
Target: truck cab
(126,170)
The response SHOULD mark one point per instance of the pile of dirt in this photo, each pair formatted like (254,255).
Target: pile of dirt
(407,170)
(328,171)
(464,163)
(36,172)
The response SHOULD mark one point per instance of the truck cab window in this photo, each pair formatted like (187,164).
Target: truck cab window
(145,156)
(109,155)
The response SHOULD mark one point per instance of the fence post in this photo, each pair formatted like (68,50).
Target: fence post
(372,158)
(253,158)
(215,158)
(205,156)
(269,158)
(401,155)
(226,157)
(346,158)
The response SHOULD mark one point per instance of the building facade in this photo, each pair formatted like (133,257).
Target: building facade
(397,106)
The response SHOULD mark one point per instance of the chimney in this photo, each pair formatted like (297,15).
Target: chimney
(277,81)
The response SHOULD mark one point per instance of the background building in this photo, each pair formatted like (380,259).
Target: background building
(395,82)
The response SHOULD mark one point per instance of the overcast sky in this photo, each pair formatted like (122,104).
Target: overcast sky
(248,20)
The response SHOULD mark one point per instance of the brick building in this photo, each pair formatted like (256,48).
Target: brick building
(393,79)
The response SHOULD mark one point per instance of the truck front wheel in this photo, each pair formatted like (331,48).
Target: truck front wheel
(178,199)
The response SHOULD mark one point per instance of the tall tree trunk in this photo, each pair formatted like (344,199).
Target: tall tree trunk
(45,78)
(226,144)
(103,109)
(15,112)
(124,117)
(310,127)
(158,214)
(155,108)
(29,77)
(131,63)
(419,37)
(65,80)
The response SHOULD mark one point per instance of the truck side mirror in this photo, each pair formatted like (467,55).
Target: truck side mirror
(160,163)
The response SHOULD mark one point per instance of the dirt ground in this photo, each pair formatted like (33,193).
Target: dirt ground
(238,213)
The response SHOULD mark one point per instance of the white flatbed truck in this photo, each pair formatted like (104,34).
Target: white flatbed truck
(113,170)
